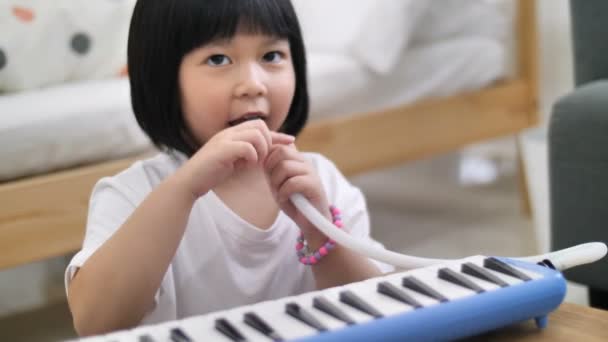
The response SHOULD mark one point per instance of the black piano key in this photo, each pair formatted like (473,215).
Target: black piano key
(502,267)
(299,313)
(323,304)
(417,285)
(459,279)
(481,273)
(145,338)
(178,335)
(546,263)
(350,298)
(256,322)
(396,293)
(222,325)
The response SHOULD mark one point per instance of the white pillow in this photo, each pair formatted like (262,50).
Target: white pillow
(446,19)
(375,32)
(47,42)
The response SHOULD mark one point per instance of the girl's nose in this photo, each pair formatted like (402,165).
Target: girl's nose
(251,82)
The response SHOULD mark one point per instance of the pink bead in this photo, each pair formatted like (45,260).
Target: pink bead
(303,260)
(323,251)
(331,241)
(299,246)
(312,260)
(339,224)
(335,211)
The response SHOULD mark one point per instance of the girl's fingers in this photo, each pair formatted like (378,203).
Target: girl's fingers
(244,151)
(303,184)
(273,159)
(259,125)
(282,138)
(286,170)
(279,153)
(255,138)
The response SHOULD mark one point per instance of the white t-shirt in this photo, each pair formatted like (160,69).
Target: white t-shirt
(222,261)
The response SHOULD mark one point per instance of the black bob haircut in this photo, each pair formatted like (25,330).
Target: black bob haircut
(162,32)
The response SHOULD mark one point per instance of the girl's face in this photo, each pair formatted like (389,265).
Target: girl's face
(225,82)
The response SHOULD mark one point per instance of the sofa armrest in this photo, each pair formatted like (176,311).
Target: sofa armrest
(589,40)
(578,168)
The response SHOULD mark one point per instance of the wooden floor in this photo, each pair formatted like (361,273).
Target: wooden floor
(51,323)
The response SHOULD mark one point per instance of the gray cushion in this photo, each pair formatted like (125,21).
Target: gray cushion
(590,39)
(578,164)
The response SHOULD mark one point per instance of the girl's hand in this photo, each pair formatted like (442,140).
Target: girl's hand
(289,173)
(231,149)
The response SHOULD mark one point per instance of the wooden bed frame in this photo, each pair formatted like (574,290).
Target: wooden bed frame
(44,216)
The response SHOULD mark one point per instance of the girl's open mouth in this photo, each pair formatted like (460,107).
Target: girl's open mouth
(247,117)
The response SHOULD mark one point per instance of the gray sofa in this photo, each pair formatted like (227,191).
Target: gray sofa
(578,148)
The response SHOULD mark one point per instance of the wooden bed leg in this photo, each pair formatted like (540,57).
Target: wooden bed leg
(522,180)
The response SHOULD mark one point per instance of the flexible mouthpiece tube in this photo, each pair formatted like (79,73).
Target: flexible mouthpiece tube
(563,259)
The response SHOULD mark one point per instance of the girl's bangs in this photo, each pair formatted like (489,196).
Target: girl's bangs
(209,20)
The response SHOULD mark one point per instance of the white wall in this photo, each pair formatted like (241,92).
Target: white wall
(556,76)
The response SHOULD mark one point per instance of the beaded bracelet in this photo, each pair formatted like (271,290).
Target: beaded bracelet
(305,256)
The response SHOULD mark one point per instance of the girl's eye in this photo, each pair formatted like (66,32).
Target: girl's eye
(273,57)
(217,60)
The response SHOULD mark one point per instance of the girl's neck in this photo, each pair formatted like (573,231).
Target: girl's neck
(248,194)
(247,177)
(249,183)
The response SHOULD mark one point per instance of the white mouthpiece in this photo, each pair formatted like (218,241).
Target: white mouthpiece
(585,253)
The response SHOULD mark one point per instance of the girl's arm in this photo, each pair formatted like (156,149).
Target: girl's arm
(115,287)
(341,266)
(288,173)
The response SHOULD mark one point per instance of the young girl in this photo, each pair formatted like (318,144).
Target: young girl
(220,87)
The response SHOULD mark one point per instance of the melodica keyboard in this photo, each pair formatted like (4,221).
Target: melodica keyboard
(446,301)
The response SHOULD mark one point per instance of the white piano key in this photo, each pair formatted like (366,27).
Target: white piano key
(265,328)
(388,289)
(368,291)
(333,294)
(100,338)
(506,278)
(486,285)
(478,260)
(396,279)
(306,301)
(287,326)
(527,272)
(166,333)
(237,318)
(120,336)
(200,328)
(156,332)
(447,289)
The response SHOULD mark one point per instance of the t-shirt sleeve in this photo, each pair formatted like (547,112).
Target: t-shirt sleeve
(351,202)
(112,202)
(109,207)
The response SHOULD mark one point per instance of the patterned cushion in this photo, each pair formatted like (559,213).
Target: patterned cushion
(49,42)
(375,32)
